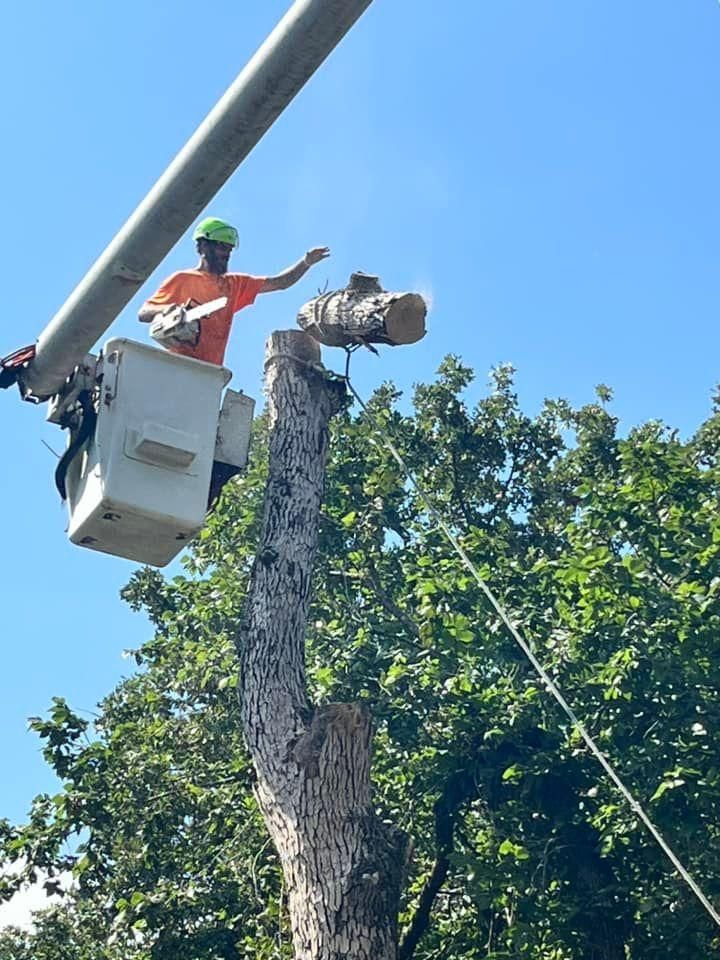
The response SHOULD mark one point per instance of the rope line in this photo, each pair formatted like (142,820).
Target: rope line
(550,684)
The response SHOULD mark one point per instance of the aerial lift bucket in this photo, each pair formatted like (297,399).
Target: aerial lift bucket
(146,427)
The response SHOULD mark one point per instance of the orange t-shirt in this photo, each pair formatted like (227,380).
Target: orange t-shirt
(240,290)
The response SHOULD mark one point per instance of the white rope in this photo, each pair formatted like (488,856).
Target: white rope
(550,684)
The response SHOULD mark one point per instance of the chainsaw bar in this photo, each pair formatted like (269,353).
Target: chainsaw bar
(204,309)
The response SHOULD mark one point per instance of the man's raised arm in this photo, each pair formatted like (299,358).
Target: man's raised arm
(290,276)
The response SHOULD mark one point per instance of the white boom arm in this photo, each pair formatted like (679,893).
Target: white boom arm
(286,60)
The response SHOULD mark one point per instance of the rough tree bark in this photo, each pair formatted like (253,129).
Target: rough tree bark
(364,313)
(343,867)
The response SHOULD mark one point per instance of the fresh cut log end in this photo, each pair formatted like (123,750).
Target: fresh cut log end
(405,319)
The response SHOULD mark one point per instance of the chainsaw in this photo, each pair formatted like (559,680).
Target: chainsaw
(181,327)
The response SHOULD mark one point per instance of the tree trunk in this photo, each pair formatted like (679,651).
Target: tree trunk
(364,313)
(343,867)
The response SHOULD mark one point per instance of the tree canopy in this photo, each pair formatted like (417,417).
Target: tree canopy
(606,551)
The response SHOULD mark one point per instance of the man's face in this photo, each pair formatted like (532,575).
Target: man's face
(217,255)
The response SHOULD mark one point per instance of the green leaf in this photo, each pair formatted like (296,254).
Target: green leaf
(515,850)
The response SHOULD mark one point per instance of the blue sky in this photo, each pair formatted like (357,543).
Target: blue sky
(546,172)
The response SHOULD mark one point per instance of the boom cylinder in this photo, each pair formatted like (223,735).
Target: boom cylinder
(290,55)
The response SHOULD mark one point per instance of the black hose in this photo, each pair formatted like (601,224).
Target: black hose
(85,431)
(8,376)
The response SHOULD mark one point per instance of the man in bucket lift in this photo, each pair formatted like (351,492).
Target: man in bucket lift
(215,240)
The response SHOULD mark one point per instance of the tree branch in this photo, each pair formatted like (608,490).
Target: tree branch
(459,788)
(389,605)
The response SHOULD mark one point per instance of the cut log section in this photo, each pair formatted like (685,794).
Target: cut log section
(364,313)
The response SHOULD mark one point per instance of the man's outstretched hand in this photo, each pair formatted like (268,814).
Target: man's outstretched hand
(316,255)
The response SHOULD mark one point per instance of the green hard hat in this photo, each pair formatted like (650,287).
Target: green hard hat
(218,230)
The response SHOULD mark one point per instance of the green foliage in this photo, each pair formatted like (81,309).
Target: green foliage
(605,549)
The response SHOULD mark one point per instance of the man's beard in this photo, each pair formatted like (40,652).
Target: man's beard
(217,263)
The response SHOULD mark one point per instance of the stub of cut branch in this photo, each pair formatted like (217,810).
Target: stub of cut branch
(364,313)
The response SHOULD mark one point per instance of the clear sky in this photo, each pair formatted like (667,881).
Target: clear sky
(546,171)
